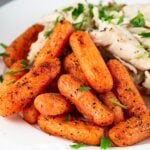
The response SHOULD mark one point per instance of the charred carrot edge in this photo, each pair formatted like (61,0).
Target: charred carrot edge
(86,103)
(118,111)
(19,48)
(14,98)
(132,131)
(125,89)
(72,66)
(52,104)
(56,42)
(91,62)
(30,114)
(75,130)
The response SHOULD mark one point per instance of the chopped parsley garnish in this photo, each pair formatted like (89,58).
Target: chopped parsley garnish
(84,88)
(116,102)
(140,46)
(1,78)
(77,11)
(104,16)
(77,145)
(14,72)
(3,45)
(3,54)
(67,119)
(10,81)
(56,21)
(121,19)
(143,55)
(105,143)
(47,33)
(25,64)
(113,6)
(90,6)
(138,20)
(67,9)
(145,35)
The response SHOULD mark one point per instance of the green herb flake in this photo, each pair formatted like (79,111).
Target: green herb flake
(67,119)
(47,33)
(140,46)
(67,9)
(129,89)
(14,72)
(84,88)
(10,82)
(143,55)
(105,143)
(121,19)
(90,7)
(145,35)
(138,20)
(116,102)
(1,78)
(56,21)
(25,64)
(77,145)
(77,11)
(104,16)
(4,46)
(4,54)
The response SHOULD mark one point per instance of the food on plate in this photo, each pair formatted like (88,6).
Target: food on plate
(30,114)
(55,42)
(75,130)
(19,94)
(132,131)
(105,51)
(52,104)
(91,62)
(20,47)
(111,101)
(16,71)
(72,66)
(126,90)
(86,103)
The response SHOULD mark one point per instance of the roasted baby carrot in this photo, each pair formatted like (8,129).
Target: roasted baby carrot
(30,114)
(72,66)
(14,98)
(52,104)
(56,42)
(132,131)
(75,130)
(109,98)
(16,71)
(125,89)
(91,62)
(19,48)
(86,103)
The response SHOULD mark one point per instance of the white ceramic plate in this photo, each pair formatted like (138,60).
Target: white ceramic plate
(15,134)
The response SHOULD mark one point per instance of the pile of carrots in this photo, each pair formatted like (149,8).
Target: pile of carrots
(60,88)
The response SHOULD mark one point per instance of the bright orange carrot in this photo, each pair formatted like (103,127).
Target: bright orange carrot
(108,99)
(72,66)
(132,131)
(86,103)
(19,48)
(75,130)
(125,89)
(14,98)
(56,42)
(91,62)
(52,104)
(30,114)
